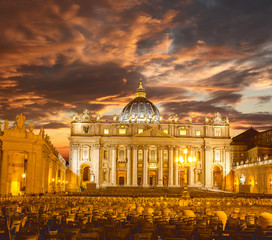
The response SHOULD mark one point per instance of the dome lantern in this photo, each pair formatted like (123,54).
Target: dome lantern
(140,91)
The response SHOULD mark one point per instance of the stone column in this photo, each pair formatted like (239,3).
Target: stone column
(4,172)
(176,167)
(208,162)
(134,168)
(96,164)
(191,152)
(30,173)
(190,176)
(229,182)
(170,175)
(160,169)
(145,168)
(73,185)
(129,165)
(113,165)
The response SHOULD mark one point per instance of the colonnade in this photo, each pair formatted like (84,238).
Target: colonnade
(132,166)
(136,166)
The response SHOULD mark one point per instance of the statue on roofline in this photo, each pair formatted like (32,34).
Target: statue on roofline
(207,119)
(153,117)
(6,124)
(20,119)
(145,117)
(160,118)
(114,117)
(31,127)
(136,117)
(176,118)
(190,118)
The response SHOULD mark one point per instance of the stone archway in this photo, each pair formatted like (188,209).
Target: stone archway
(217,176)
(85,175)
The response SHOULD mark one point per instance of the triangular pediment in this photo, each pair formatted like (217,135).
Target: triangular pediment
(153,132)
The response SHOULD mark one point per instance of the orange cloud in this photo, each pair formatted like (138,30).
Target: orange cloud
(199,88)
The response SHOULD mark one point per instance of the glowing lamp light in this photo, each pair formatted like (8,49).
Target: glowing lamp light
(185,151)
(59,180)
(190,159)
(181,159)
(53,180)
(23,175)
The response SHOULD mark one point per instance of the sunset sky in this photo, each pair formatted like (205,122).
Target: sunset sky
(195,57)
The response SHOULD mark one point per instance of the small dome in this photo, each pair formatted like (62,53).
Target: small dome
(140,109)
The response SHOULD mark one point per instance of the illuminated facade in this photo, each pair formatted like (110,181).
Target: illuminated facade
(252,161)
(140,149)
(29,163)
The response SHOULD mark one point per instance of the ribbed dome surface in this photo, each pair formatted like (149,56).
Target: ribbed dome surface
(140,109)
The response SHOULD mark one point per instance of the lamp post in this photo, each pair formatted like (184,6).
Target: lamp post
(185,163)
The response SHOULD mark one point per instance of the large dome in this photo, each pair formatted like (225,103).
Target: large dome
(140,109)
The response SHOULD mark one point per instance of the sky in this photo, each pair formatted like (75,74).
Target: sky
(195,57)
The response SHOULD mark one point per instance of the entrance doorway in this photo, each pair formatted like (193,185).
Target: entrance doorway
(139,180)
(217,176)
(182,178)
(121,178)
(165,181)
(152,178)
(85,173)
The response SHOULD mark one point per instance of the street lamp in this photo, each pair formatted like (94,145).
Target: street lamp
(24,182)
(186,162)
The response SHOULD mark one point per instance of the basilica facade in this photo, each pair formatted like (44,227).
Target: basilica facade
(140,149)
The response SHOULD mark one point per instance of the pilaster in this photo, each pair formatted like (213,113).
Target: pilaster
(113,165)
(145,167)
(176,167)
(134,168)
(160,170)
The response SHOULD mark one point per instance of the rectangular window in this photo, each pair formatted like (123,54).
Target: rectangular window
(106,131)
(217,155)
(165,131)
(140,130)
(122,131)
(182,132)
(197,133)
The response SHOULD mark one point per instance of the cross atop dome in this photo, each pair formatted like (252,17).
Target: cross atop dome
(140,91)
